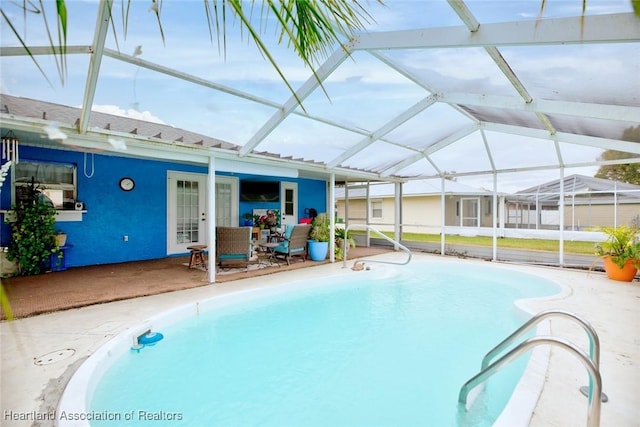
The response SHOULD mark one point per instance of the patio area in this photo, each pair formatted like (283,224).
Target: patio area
(98,284)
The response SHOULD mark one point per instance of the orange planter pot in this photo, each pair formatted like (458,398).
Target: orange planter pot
(625,274)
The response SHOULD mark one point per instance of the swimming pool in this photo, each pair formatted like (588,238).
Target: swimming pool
(389,346)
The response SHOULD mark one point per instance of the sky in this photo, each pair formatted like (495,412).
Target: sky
(352,89)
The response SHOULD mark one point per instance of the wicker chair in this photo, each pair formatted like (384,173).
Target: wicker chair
(294,243)
(233,246)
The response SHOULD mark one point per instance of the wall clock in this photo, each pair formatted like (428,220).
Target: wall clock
(127,184)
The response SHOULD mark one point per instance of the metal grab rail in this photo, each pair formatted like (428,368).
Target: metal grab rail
(593,408)
(594,341)
(370,228)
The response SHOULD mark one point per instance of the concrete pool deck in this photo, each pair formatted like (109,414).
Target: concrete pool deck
(40,353)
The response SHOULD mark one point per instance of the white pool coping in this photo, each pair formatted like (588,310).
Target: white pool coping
(547,395)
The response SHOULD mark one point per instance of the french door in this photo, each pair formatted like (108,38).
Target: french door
(187,213)
(187,217)
(227,201)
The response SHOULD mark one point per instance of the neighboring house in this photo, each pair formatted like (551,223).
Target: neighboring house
(588,203)
(465,206)
(147,198)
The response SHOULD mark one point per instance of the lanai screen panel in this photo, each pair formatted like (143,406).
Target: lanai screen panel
(17,70)
(189,47)
(460,70)
(420,168)
(596,127)
(410,14)
(433,124)
(464,155)
(504,116)
(517,151)
(362,92)
(309,139)
(184,104)
(377,157)
(590,73)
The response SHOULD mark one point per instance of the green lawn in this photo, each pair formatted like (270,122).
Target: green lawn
(586,248)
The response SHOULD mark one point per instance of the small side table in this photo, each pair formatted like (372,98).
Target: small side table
(269,250)
(197,256)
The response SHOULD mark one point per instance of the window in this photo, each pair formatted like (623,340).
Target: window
(470,212)
(376,209)
(56,181)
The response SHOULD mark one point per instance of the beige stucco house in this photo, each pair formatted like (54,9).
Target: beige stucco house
(421,208)
(588,203)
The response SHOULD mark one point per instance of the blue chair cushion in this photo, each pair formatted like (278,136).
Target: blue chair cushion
(284,245)
(288,231)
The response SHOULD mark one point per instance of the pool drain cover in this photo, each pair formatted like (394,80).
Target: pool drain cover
(54,356)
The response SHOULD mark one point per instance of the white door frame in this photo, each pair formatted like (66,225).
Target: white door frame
(292,218)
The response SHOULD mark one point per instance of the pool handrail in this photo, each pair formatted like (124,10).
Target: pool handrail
(594,341)
(595,380)
(370,228)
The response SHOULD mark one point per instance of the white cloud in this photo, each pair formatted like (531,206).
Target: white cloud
(130,113)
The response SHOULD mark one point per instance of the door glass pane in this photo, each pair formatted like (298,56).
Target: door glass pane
(187,226)
(288,201)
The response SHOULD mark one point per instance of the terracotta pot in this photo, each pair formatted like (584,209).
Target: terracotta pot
(625,274)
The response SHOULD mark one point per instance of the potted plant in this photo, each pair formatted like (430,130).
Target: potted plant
(319,238)
(271,220)
(248,219)
(61,238)
(341,236)
(33,234)
(620,252)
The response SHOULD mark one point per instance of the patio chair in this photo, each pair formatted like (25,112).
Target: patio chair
(233,246)
(294,242)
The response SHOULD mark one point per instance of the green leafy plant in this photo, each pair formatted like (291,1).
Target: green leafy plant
(342,235)
(33,234)
(320,230)
(622,244)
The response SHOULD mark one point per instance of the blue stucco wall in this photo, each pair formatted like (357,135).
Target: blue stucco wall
(140,214)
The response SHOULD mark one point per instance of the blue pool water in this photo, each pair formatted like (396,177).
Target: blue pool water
(385,347)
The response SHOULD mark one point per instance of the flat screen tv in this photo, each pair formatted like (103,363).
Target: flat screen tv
(259,191)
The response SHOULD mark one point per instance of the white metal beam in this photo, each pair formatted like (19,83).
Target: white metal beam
(465,14)
(610,28)
(102,24)
(43,50)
